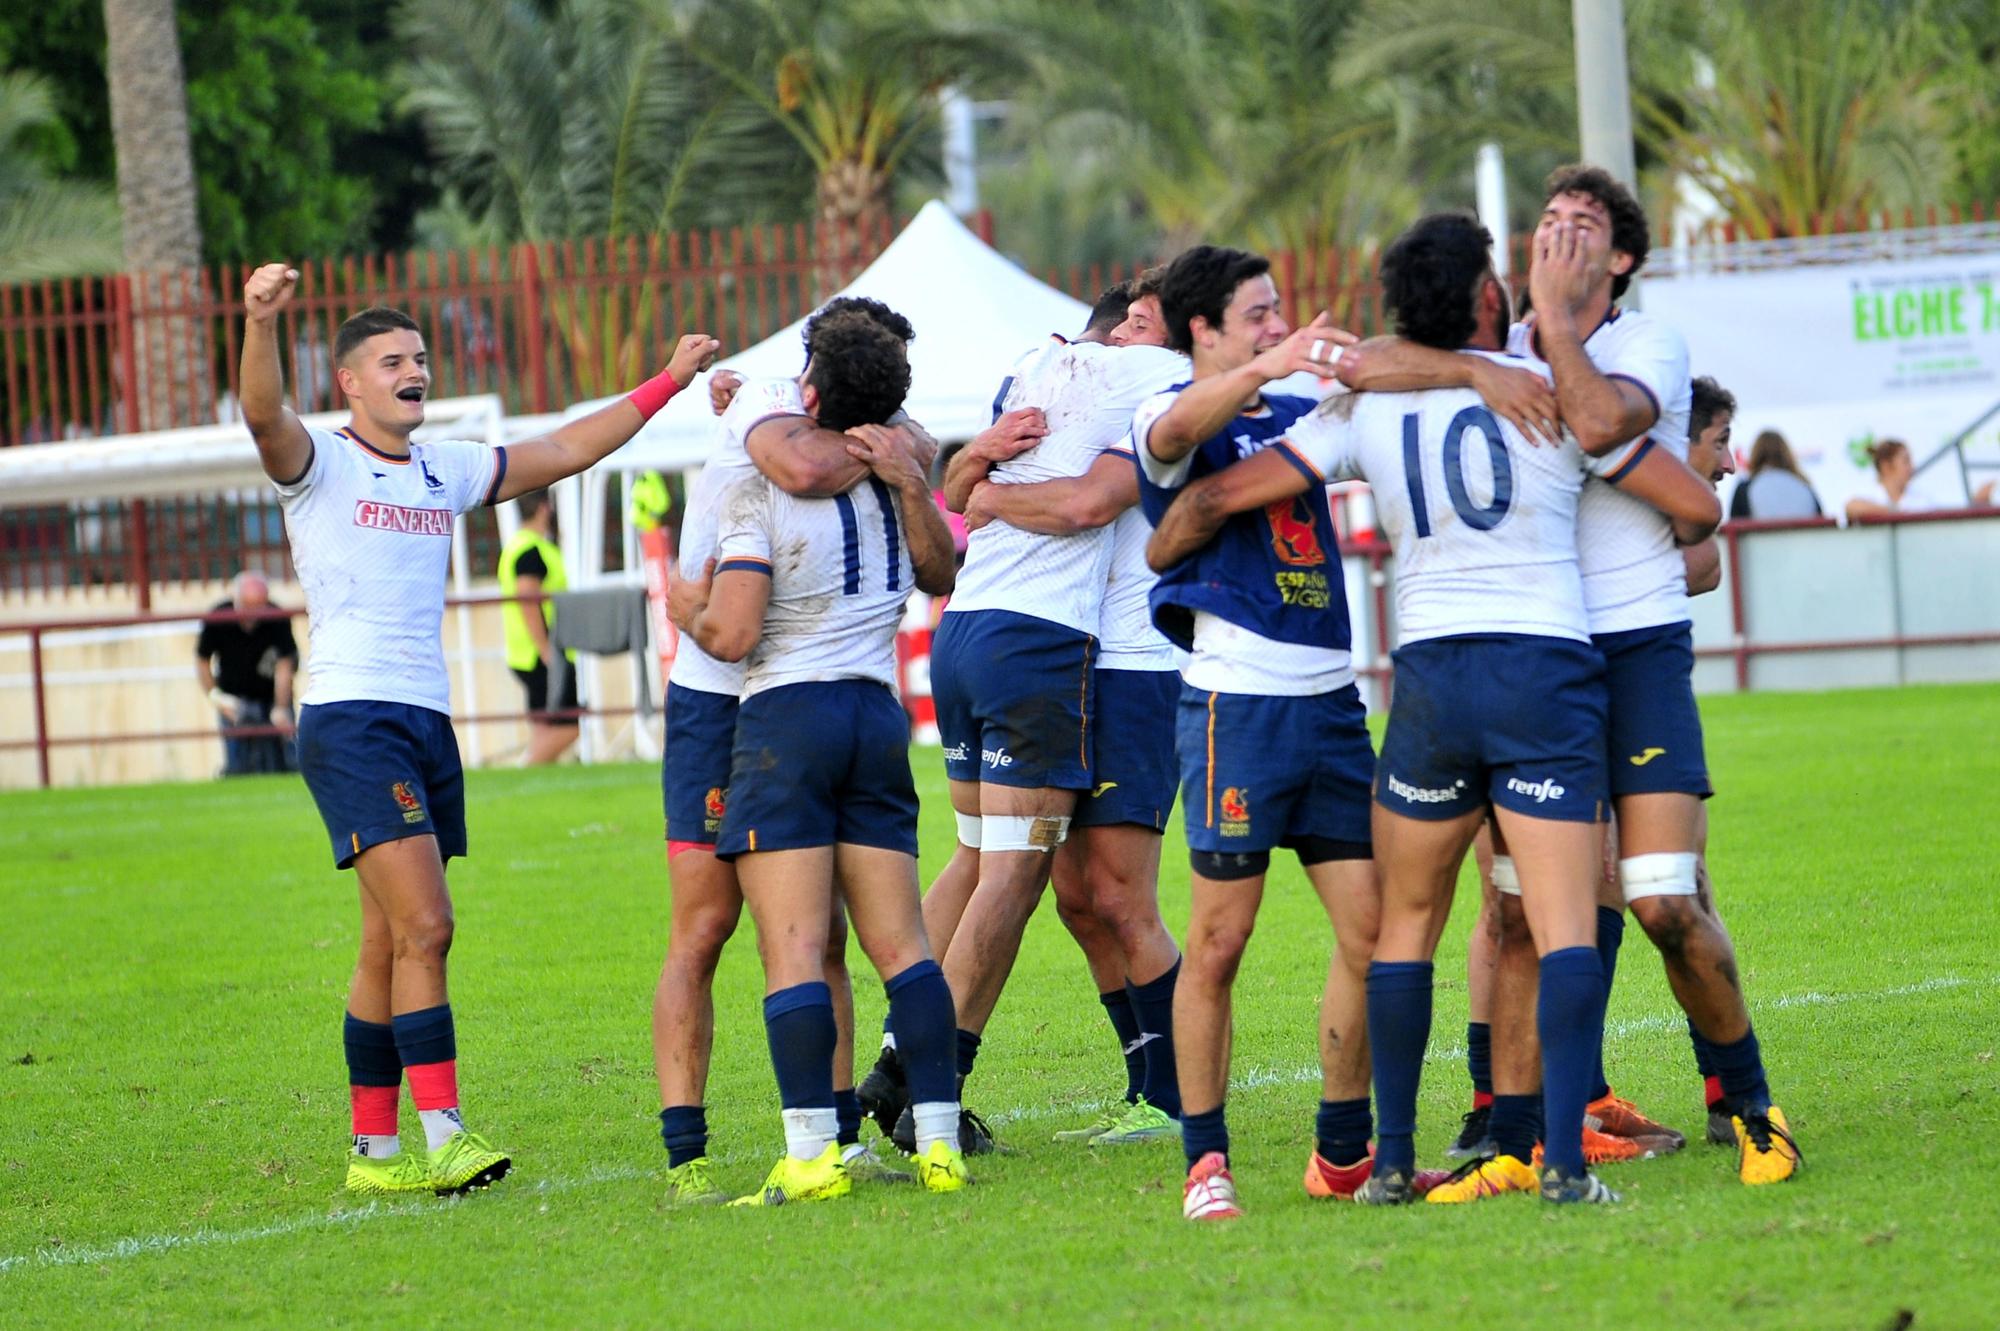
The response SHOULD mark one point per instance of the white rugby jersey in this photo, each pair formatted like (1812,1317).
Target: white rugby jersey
(371,539)
(1483,523)
(1633,575)
(840,572)
(1126,638)
(757,401)
(1088,393)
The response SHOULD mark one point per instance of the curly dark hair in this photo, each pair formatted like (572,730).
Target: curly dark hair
(1202,281)
(1629,233)
(1431,276)
(874,309)
(1710,400)
(371,322)
(1109,311)
(860,368)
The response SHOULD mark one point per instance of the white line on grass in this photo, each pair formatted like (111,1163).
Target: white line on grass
(1254,1078)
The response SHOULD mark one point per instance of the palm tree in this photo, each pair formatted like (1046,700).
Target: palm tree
(589,119)
(156,195)
(1804,110)
(48,228)
(855,83)
(1224,120)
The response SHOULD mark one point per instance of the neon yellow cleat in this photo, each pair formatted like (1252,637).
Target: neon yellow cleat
(1104,1122)
(1477,1179)
(819,1179)
(942,1169)
(405,1171)
(690,1185)
(1141,1122)
(1765,1151)
(465,1162)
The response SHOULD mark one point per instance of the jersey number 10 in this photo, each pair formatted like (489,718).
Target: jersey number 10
(1478,517)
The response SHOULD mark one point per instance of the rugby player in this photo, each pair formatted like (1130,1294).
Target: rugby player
(809,594)
(369,513)
(1271,734)
(1622,378)
(765,426)
(1106,876)
(1013,667)
(1499,697)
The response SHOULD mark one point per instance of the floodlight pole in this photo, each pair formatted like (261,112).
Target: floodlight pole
(1604,94)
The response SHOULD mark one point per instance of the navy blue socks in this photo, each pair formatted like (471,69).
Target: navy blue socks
(921,1014)
(799,1025)
(1118,1006)
(1740,1068)
(1342,1130)
(1153,1002)
(1202,1133)
(1610,936)
(1569,1013)
(1516,1125)
(1399,1026)
(684,1131)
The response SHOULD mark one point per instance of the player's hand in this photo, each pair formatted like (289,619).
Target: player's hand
(722,387)
(886,451)
(695,353)
(921,445)
(268,291)
(1010,436)
(1523,397)
(688,597)
(1560,280)
(1315,348)
(978,508)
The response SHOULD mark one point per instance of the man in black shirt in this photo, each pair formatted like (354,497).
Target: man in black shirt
(246,667)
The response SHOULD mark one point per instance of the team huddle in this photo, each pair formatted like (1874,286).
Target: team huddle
(1151,605)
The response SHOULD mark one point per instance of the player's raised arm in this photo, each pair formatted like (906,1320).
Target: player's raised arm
(1670,485)
(1601,411)
(586,441)
(1198,512)
(1703,562)
(1060,507)
(1008,437)
(932,556)
(283,445)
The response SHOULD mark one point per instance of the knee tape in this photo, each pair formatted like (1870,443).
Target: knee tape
(1668,874)
(1005,831)
(968,828)
(1505,877)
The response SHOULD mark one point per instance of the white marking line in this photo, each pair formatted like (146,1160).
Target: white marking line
(1251,1080)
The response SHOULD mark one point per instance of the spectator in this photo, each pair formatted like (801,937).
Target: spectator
(246,667)
(1775,487)
(532,565)
(1892,492)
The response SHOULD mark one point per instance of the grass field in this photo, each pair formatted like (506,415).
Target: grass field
(173,1106)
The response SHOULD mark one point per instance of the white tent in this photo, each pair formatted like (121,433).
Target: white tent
(974,313)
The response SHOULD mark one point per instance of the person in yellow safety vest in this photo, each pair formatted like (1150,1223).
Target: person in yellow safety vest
(531,564)
(651,503)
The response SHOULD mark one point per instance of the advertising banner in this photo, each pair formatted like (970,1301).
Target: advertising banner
(1837,356)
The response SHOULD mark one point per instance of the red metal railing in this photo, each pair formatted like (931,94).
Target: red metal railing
(1373,549)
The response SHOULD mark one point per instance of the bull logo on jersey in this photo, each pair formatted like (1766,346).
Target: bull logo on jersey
(1294,532)
(412,807)
(1235,807)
